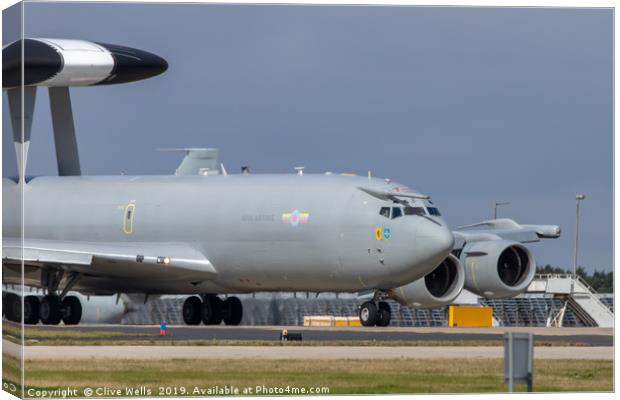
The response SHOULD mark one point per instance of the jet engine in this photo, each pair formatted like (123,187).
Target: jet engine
(438,288)
(498,268)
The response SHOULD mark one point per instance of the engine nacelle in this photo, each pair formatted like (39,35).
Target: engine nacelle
(498,268)
(437,289)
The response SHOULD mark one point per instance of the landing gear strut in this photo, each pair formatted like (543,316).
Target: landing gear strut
(212,310)
(375,313)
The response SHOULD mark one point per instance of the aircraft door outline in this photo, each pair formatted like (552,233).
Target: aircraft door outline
(128,218)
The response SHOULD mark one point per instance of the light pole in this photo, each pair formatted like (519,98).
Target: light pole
(578,198)
(499,203)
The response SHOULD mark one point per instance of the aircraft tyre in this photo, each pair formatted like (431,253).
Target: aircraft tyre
(31,310)
(368,314)
(49,311)
(13,307)
(71,310)
(232,311)
(192,310)
(384,314)
(212,310)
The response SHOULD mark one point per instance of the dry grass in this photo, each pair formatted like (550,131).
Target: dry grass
(340,376)
(10,331)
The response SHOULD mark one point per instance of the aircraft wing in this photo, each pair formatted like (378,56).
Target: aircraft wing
(504,228)
(159,260)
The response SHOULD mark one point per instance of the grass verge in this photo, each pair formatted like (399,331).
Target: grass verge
(182,377)
(35,332)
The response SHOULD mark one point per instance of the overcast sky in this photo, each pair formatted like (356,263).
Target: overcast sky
(468,105)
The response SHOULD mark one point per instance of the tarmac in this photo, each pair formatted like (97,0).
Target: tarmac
(583,336)
(593,343)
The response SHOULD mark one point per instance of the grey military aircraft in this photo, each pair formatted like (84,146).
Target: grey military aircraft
(208,234)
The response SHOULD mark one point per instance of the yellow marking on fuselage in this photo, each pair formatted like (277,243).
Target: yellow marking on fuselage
(378,233)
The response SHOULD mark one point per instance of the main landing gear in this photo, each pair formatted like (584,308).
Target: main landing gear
(212,310)
(375,313)
(50,309)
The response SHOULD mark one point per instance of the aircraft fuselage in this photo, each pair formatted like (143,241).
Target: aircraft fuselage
(260,232)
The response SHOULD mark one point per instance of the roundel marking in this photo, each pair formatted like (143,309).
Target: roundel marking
(378,233)
(295,218)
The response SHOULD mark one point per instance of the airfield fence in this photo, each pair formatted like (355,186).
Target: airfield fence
(524,310)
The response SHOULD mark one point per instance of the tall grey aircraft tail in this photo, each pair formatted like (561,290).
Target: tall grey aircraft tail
(197,161)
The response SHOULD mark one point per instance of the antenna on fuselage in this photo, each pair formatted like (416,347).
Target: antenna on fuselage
(59,64)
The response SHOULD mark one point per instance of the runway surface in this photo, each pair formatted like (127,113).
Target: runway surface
(294,352)
(583,336)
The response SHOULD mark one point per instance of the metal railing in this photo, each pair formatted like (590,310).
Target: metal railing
(567,276)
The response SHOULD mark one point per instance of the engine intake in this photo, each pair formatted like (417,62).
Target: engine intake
(437,289)
(497,269)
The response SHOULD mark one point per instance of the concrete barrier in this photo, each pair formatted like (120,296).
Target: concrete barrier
(327,320)
(470,316)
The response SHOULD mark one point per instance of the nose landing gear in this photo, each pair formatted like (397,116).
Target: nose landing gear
(375,313)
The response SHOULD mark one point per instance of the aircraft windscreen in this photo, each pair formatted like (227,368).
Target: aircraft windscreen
(434,211)
(396,212)
(414,211)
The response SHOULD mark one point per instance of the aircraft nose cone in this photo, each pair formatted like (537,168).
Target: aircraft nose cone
(133,64)
(435,240)
(431,242)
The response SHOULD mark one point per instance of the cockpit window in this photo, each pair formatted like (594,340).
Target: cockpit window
(385,212)
(434,211)
(396,212)
(414,211)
